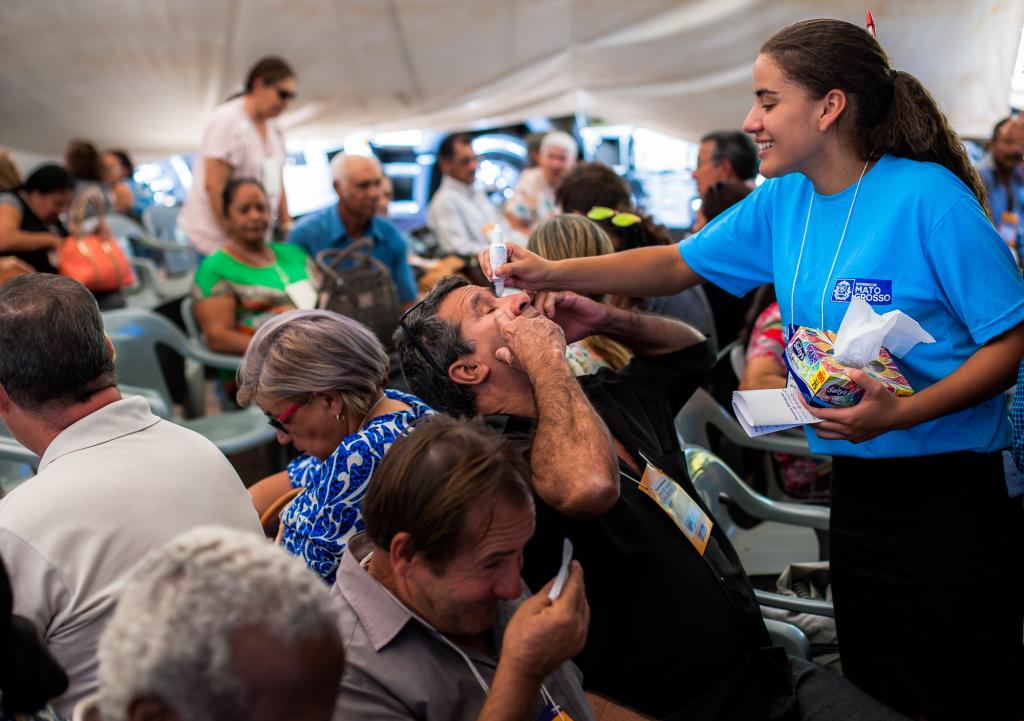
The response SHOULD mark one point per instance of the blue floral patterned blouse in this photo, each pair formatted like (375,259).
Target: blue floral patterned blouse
(316,526)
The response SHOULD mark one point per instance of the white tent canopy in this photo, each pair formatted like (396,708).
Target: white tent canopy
(144,75)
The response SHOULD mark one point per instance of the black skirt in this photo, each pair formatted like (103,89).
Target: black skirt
(929,585)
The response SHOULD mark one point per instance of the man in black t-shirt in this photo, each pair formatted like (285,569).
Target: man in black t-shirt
(675,628)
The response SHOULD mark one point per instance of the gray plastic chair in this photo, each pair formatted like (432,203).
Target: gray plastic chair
(188,317)
(716,482)
(123,227)
(194,373)
(702,411)
(161,223)
(157,404)
(136,335)
(790,637)
(738,360)
(145,292)
(17,463)
(150,280)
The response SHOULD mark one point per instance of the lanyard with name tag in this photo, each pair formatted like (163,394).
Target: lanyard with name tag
(301,292)
(691,519)
(553,712)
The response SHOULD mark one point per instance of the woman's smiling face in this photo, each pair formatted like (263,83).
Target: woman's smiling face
(783,121)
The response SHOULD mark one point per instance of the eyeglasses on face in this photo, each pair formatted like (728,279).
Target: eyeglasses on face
(277,423)
(417,343)
(619,219)
(285,95)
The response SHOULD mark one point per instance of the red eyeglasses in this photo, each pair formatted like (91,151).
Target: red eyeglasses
(278,422)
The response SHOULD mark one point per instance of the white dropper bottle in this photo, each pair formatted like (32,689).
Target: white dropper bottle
(498,256)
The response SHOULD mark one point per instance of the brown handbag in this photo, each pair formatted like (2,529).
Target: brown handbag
(359,286)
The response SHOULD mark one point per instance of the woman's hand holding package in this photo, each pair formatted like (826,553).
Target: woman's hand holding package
(878,412)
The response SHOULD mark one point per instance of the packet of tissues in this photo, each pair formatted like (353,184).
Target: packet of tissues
(816,358)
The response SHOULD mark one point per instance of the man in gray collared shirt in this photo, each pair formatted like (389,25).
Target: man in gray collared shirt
(434,620)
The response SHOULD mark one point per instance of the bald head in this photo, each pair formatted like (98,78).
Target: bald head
(357,181)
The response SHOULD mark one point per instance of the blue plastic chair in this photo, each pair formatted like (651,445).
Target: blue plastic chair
(136,335)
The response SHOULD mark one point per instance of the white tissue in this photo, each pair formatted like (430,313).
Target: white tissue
(863,332)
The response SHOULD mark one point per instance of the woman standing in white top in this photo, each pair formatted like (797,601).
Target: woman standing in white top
(242,140)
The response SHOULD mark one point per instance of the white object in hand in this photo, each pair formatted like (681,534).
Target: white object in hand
(498,257)
(770,410)
(863,332)
(498,252)
(563,572)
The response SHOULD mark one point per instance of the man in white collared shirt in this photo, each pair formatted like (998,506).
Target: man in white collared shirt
(459,213)
(114,480)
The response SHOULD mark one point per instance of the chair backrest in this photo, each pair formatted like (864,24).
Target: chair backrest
(136,334)
(738,360)
(17,463)
(700,411)
(161,221)
(705,473)
(122,227)
(713,480)
(271,517)
(188,317)
(145,292)
(790,638)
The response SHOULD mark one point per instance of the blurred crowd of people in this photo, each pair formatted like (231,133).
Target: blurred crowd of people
(509,530)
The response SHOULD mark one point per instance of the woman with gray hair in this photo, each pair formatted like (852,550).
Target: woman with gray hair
(319,377)
(218,625)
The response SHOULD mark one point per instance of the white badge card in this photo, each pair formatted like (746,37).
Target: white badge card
(272,166)
(683,510)
(302,294)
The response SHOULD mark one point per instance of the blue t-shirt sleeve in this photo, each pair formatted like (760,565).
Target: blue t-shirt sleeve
(734,251)
(979,281)
(401,272)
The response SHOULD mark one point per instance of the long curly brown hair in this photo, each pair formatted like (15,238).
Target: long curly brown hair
(892,112)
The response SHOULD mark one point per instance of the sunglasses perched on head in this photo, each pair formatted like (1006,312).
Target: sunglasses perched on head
(620,219)
(285,95)
(417,343)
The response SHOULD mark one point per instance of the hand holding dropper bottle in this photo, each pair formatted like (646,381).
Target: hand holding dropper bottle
(499,256)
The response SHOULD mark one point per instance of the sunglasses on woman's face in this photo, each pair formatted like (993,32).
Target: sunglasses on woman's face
(618,218)
(277,423)
(285,95)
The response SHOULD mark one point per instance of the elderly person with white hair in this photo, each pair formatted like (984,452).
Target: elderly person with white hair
(533,200)
(357,181)
(218,625)
(319,377)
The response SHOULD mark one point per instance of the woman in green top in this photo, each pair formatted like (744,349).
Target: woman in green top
(249,280)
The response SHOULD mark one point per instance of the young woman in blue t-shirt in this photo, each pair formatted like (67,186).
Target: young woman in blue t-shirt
(870,193)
